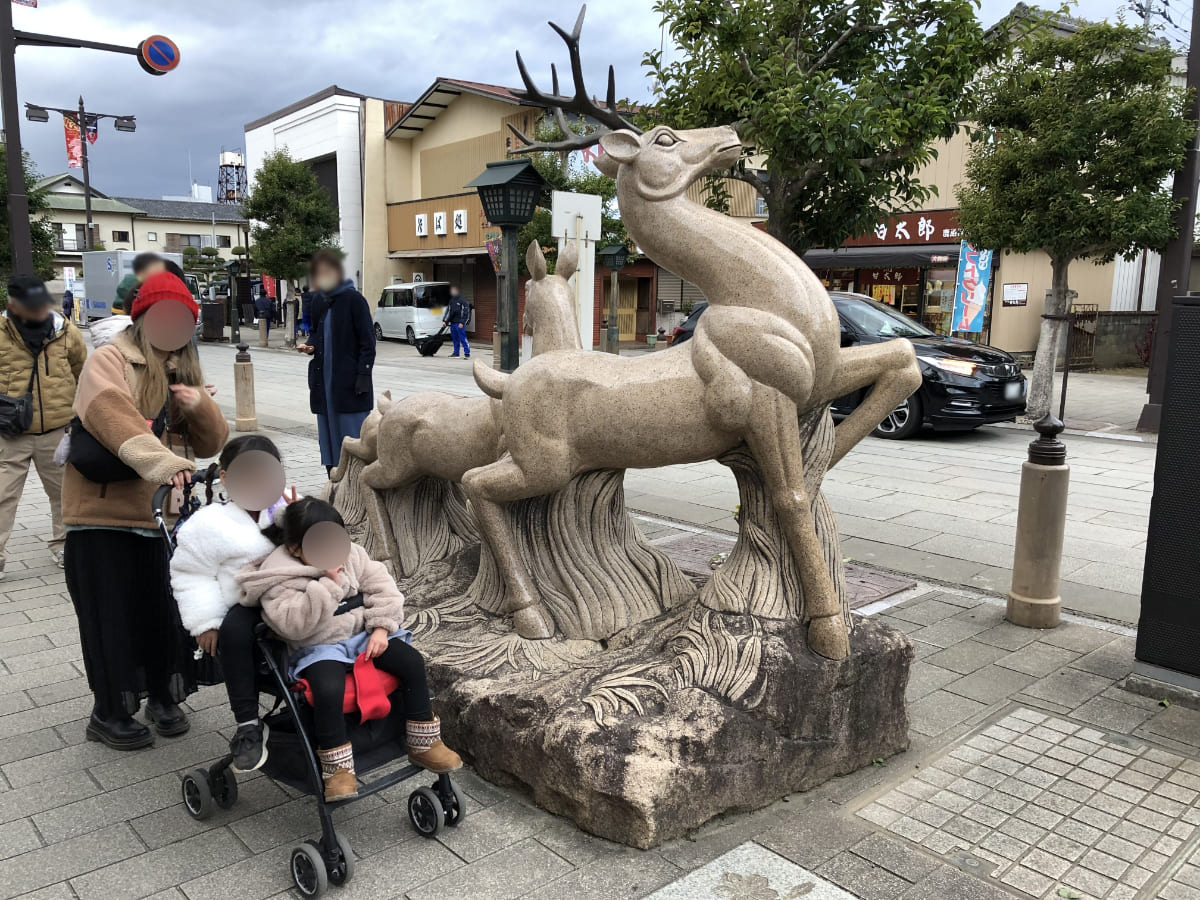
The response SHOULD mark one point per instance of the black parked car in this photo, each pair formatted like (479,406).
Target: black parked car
(964,385)
(685,329)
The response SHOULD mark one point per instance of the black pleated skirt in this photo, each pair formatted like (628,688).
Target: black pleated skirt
(133,643)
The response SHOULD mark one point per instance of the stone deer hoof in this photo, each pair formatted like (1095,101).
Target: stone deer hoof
(827,637)
(531,623)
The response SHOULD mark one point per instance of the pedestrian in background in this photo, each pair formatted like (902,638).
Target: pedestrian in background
(41,356)
(68,305)
(342,346)
(264,308)
(458,313)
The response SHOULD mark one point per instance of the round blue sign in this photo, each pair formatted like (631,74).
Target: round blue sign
(158,54)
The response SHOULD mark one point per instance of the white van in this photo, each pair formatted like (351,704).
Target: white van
(412,310)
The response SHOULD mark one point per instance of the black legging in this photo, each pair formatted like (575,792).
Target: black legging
(235,647)
(328,682)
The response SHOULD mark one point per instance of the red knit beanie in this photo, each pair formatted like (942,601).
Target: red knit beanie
(162,286)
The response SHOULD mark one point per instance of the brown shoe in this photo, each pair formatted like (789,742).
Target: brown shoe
(425,747)
(337,768)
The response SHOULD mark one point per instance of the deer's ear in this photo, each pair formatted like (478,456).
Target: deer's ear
(622,146)
(568,259)
(535,261)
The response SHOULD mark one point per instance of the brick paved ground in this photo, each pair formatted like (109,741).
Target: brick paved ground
(1030,771)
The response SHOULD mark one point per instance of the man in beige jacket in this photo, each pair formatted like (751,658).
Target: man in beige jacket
(41,354)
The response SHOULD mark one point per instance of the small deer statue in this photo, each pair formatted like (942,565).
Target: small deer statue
(767,348)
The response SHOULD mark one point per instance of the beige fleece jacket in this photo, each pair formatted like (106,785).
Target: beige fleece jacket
(105,405)
(298,601)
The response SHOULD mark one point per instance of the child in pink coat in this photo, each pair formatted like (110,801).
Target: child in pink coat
(328,618)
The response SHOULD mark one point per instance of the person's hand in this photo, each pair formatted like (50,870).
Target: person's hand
(186,395)
(208,642)
(180,479)
(292,498)
(334,575)
(376,643)
(305,348)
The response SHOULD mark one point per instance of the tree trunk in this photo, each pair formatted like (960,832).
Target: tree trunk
(594,570)
(1050,341)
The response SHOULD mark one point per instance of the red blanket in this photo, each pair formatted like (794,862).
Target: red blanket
(367,690)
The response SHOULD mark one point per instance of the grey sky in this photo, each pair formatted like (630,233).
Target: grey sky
(242,60)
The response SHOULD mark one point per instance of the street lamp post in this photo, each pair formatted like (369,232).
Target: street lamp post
(613,257)
(509,191)
(83,118)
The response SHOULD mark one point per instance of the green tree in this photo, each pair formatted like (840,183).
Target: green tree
(843,99)
(294,216)
(568,172)
(1076,137)
(42,229)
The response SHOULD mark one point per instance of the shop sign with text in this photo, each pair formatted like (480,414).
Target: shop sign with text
(935,227)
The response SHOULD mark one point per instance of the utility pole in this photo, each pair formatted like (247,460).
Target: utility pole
(89,240)
(1176,268)
(18,204)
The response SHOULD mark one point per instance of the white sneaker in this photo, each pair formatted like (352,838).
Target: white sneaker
(59,558)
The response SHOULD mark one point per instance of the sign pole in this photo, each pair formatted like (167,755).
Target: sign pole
(18,203)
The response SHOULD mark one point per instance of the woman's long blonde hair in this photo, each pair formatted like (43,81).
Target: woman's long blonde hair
(152,391)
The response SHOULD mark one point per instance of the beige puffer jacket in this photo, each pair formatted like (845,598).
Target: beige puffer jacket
(59,365)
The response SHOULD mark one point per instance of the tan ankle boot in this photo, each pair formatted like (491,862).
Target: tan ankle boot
(425,747)
(337,768)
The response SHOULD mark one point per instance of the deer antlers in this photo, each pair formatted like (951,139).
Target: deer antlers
(581,104)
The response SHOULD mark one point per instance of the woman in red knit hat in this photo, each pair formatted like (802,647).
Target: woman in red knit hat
(142,398)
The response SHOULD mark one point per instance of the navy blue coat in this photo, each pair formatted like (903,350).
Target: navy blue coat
(351,353)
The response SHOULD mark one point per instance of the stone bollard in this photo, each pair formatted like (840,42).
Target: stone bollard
(243,390)
(1033,601)
(264,325)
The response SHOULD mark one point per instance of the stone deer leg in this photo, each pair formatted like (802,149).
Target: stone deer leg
(890,369)
(774,440)
(488,487)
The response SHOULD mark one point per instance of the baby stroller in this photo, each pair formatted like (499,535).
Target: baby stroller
(291,754)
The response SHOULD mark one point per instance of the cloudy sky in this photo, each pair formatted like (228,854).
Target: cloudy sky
(243,60)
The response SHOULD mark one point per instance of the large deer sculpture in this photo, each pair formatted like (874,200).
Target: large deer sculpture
(767,348)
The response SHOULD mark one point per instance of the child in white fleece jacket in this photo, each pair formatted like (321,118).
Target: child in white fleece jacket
(216,542)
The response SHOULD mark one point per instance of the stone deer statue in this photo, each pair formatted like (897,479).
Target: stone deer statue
(767,349)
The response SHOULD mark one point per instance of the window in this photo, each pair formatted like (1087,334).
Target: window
(432,296)
(152,235)
(760,206)
(120,237)
(385,299)
(224,240)
(176,242)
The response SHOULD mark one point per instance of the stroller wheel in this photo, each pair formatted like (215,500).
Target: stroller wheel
(425,811)
(308,870)
(453,806)
(224,788)
(197,794)
(343,870)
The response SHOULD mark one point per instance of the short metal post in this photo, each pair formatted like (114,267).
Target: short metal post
(1034,601)
(243,390)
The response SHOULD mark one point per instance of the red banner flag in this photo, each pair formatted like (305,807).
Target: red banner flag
(74,143)
(93,129)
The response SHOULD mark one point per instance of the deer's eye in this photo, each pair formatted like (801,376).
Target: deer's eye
(666,139)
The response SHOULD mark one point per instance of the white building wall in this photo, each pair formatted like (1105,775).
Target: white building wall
(1128,274)
(328,126)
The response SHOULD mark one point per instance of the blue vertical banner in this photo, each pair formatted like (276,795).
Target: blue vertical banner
(971,289)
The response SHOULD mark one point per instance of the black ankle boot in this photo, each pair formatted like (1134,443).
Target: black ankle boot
(169,720)
(122,733)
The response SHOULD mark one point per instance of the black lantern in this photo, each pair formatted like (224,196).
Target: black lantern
(509,190)
(613,257)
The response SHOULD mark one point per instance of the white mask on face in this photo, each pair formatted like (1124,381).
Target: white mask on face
(327,282)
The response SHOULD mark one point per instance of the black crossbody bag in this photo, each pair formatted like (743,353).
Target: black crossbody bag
(97,463)
(16,413)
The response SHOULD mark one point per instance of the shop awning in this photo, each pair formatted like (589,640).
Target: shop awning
(919,255)
(435,252)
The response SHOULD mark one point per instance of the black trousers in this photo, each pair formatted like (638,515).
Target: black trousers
(133,643)
(235,647)
(328,682)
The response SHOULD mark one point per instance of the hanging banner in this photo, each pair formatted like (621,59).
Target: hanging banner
(93,129)
(74,143)
(32,3)
(492,243)
(971,289)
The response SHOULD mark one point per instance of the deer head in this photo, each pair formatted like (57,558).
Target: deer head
(661,163)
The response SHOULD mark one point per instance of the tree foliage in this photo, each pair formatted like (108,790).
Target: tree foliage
(568,172)
(293,215)
(42,229)
(844,99)
(1076,137)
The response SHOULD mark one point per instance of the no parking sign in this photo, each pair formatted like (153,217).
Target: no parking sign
(158,54)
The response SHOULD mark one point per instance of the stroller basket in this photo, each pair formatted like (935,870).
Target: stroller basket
(292,757)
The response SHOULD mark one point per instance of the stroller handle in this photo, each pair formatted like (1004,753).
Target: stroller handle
(164,491)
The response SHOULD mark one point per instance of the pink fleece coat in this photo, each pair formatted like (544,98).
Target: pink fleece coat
(298,600)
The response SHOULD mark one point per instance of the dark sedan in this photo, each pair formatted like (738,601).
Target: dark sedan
(964,384)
